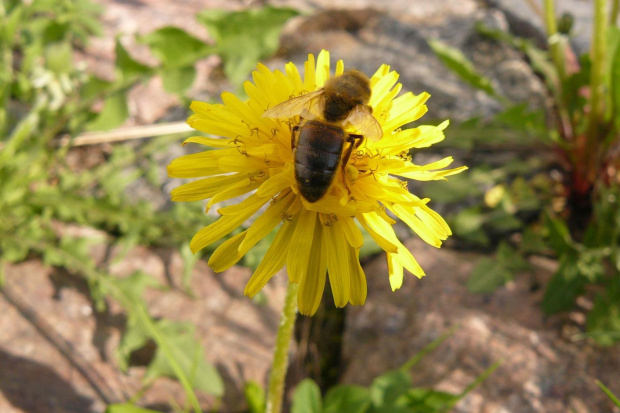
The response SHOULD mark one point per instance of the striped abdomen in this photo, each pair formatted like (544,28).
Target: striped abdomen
(317,156)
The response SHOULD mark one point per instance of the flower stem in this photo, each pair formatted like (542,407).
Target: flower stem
(553,38)
(597,74)
(280,355)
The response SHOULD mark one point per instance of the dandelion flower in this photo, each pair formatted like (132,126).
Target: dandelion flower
(252,155)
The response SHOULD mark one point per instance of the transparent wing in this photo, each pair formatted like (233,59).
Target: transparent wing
(361,118)
(310,103)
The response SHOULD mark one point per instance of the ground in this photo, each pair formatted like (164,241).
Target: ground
(53,340)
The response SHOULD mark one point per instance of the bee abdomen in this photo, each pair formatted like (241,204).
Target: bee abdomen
(317,157)
(313,183)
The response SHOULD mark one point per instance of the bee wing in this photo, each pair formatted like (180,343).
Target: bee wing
(310,103)
(361,118)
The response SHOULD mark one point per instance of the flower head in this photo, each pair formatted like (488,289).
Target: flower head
(254,154)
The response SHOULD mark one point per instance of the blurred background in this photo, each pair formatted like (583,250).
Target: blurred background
(103,304)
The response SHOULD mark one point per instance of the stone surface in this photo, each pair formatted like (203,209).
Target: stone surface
(543,369)
(57,316)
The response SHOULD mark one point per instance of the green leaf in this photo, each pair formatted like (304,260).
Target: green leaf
(113,114)
(609,394)
(127,408)
(388,387)
(307,398)
(468,224)
(613,70)
(420,400)
(603,323)
(188,354)
(126,66)
(346,399)
(246,37)
(10,26)
(189,262)
(559,235)
(511,259)
(456,61)
(177,80)
(488,275)
(175,47)
(254,397)
(59,57)
(565,286)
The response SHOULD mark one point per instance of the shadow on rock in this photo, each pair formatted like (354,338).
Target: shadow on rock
(35,388)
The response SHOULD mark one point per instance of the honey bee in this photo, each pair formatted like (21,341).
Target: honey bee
(319,139)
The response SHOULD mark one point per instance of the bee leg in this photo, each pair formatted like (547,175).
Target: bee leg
(355,141)
(294,131)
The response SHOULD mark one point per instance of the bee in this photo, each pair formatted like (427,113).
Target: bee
(318,141)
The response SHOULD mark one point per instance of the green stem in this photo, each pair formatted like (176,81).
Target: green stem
(597,74)
(280,355)
(555,45)
(615,10)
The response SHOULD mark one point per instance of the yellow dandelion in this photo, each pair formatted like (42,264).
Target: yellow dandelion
(255,153)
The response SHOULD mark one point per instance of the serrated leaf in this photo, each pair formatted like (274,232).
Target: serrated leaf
(188,354)
(346,399)
(134,285)
(487,276)
(460,65)
(112,115)
(388,387)
(175,47)
(245,37)
(177,80)
(127,66)
(307,398)
(565,286)
(254,397)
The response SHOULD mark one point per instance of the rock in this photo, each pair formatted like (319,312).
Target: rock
(57,315)
(541,371)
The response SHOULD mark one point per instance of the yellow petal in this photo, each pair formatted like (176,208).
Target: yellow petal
(351,232)
(358,289)
(198,164)
(312,282)
(242,187)
(226,223)
(266,222)
(322,68)
(339,68)
(406,108)
(408,216)
(310,74)
(226,255)
(335,247)
(273,260)
(212,142)
(370,221)
(395,272)
(205,188)
(274,184)
(299,249)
